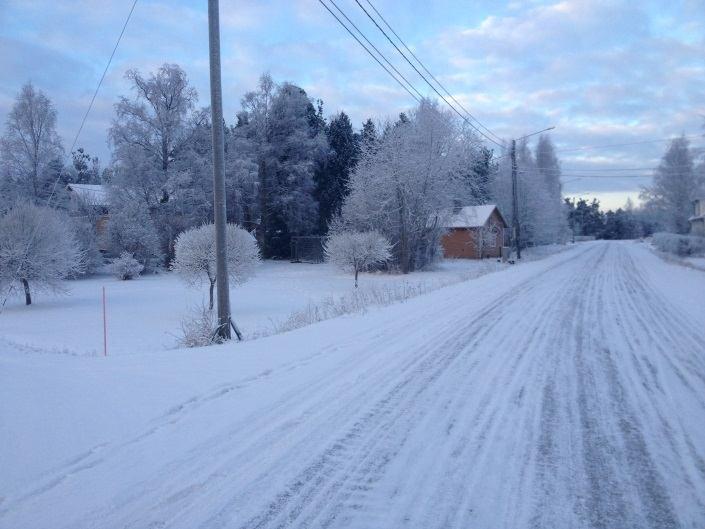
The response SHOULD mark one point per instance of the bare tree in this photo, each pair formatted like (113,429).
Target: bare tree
(30,143)
(155,121)
(195,255)
(37,247)
(357,251)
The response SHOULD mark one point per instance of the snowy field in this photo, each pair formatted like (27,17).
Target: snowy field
(144,315)
(564,392)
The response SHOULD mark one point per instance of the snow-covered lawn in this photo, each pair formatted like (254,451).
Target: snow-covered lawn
(144,315)
(565,392)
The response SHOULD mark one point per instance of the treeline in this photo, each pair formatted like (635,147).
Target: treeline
(587,219)
(290,171)
(667,203)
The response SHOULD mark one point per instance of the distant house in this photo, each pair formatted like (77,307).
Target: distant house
(474,232)
(697,221)
(91,200)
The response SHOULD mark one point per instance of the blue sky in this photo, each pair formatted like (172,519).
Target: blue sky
(601,72)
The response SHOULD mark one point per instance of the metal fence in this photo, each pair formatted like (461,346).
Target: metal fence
(307,249)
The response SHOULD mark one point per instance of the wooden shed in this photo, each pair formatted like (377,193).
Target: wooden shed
(93,201)
(474,232)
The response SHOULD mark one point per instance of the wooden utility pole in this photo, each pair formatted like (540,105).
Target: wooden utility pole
(515,191)
(221,263)
(515,204)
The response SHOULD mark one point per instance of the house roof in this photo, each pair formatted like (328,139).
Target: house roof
(91,194)
(470,217)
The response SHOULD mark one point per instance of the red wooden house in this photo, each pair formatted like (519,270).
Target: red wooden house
(474,232)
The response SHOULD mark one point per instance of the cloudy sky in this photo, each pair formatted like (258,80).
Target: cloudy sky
(601,72)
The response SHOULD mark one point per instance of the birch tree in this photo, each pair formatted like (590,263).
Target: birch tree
(150,131)
(30,144)
(403,183)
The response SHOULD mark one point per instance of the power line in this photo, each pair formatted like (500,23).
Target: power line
(610,145)
(369,52)
(618,168)
(102,77)
(425,79)
(375,48)
(428,71)
(574,170)
(609,176)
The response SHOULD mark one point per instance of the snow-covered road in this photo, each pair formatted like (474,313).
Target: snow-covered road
(567,393)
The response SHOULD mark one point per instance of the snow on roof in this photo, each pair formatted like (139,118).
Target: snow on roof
(91,194)
(469,217)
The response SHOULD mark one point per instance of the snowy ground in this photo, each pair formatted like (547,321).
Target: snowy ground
(567,392)
(145,315)
(698,263)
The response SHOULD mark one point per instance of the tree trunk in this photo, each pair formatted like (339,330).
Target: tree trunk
(210,303)
(356,271)
(27,295)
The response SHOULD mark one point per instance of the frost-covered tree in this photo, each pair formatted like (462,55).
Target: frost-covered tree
(241,176)
(195,255)
(368,134)
(356,252)
(148,135)
(130,229)
(542,215)
(37,249)
(676,184)
(403,183)
(84,169)
(30,145)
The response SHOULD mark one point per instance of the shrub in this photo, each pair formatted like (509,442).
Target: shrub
(198,328)
(126,266)
(356,251)
(681,245)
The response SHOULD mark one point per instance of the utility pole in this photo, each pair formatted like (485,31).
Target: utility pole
(221,263)
(515,204)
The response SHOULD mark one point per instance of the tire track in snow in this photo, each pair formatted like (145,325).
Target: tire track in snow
(555,407)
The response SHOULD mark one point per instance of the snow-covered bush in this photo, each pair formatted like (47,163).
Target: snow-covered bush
(198,328)
(126,267)
(356,251)
(195,255)
(681,245)
(37,247)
